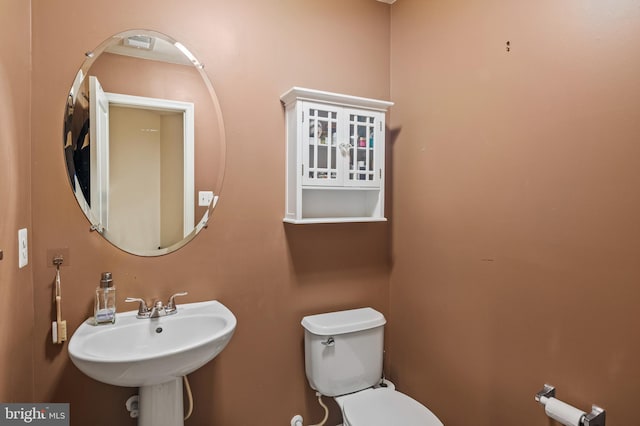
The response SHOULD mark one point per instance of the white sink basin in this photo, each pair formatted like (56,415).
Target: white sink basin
(144,352)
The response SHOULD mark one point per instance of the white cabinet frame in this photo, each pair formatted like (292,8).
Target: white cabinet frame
(335,157)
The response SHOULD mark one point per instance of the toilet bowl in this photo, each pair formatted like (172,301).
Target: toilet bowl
(343,359)
(384,407)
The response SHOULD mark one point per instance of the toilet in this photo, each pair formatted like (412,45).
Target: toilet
(343,359)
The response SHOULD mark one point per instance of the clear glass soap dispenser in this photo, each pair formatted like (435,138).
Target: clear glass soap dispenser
(105,306)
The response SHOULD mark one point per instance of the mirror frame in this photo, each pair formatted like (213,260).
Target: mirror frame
(90,58)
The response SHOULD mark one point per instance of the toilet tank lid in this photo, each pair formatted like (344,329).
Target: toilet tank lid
(341,322)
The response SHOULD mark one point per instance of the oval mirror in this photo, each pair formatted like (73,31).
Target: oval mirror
(144,142)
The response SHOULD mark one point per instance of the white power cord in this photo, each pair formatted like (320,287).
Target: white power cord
(189,397)
(326,410)
(297,419)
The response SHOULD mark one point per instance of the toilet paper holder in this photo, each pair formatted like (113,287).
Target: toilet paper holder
(595,418)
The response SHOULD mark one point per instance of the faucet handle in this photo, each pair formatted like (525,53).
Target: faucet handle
(143,310)
(171,305)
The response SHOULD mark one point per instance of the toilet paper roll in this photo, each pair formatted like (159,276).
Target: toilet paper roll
(563,412)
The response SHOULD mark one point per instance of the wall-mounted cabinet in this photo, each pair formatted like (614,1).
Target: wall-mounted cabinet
(335,157)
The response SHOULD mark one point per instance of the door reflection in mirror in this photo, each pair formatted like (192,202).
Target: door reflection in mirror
(151,178)
(136,188)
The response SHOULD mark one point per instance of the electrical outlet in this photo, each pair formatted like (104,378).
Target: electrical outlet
(23,248)
(205,198)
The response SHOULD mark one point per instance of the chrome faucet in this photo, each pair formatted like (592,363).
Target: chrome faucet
(158,309)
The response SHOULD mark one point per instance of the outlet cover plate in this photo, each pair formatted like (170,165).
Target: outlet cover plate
(205,198)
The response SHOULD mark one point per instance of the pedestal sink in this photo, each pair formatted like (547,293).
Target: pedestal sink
(154,354)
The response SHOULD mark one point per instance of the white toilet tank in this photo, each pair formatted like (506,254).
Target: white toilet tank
(343,350)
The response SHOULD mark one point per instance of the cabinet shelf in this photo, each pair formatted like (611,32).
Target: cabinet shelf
(338,188)
(334,220)
(335,157)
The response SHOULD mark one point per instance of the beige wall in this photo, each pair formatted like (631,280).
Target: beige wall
(269,274)
(172,165)
(515,207)
(16,290)
(134,178)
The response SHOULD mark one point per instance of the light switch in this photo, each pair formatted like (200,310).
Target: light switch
(23,248)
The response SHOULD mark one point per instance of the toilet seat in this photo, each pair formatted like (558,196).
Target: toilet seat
(385,407)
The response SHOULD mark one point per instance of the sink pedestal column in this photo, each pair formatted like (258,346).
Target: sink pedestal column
(161,404)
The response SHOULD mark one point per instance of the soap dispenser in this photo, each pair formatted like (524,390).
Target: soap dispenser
(105,306)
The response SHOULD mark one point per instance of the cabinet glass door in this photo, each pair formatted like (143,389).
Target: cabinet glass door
(363,140)
(320,135)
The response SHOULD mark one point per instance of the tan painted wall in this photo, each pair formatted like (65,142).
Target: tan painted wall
(516,206)
(172,165)
(134,178)
(270,275)
(16,289)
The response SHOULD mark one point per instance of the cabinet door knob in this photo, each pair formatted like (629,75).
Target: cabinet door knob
(344,148)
